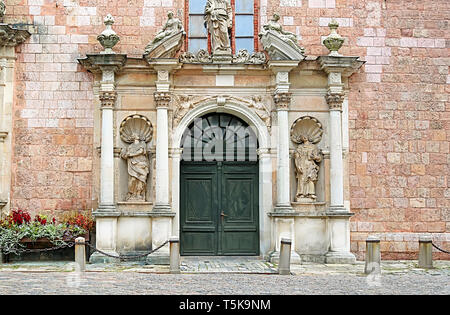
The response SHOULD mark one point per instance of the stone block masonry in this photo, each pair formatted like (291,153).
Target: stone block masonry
(398,111)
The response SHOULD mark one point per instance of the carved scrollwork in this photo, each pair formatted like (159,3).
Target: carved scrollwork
(242,57)
(185,103)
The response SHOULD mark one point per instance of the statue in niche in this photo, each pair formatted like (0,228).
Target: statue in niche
(137,131)
(306,132)
(276,27)
(218,20)
(172,27)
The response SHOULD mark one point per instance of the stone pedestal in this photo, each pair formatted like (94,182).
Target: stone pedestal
(283,228)
(339,233)
(161,232)
(106,237)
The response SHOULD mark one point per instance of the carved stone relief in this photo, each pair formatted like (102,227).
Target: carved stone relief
(306,132)
(137,131)
(185,103)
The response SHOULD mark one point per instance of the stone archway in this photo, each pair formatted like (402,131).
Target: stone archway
(233,107)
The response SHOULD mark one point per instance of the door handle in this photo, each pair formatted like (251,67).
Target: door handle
(223,215)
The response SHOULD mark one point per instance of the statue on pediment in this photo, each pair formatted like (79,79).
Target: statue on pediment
(168,41)
(280,44)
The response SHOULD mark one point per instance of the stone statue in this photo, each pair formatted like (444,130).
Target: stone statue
(306,157)
(276,27)
(280,44)
(137,131)
(218,20)
(138,169)
(172,27)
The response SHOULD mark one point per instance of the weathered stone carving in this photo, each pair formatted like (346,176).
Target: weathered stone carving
(108,99)
(334,100)
(136,130)
(108,38)
(168,41)
(2,9)
(202,56)
(334,41)
(11,36)
(218,20)
(185,103)
(280,44)
(282,100)
(162,99)
(306,132)
(242,57)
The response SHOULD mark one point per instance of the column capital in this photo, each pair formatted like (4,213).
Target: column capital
(282,100)
(108,99)
(335,100)
(162,99)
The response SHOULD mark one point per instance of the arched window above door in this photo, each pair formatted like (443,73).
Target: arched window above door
(219,137)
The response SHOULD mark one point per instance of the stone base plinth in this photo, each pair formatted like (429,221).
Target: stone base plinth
(340,258)
(274,257)
(98,258)
(158,258)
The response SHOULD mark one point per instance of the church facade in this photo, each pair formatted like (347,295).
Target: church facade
(230,124)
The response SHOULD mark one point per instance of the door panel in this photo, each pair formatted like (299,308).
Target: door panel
(240,208)
(198,210)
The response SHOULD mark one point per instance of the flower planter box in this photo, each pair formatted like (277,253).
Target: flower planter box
(61,254)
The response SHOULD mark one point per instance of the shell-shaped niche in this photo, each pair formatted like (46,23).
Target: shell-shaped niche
(136,126)
(308,127)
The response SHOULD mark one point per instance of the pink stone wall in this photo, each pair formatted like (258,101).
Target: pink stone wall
(399,112)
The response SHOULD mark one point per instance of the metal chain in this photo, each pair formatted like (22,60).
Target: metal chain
(440,249)
(39,250)
(122,257)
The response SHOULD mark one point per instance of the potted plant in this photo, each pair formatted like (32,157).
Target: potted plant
(18,232)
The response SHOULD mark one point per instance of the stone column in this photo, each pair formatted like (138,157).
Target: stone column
(338,215)
(335,100)
(162,100)
(162,214)
(106,214)
(107,99)
(282,102)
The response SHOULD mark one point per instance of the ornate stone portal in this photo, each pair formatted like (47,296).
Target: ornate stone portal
(169,93)
(306,132)
(137,131)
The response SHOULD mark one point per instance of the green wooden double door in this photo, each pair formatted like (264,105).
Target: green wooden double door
(219,208)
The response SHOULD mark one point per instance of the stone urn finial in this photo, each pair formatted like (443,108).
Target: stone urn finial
(334,41)
(108,38)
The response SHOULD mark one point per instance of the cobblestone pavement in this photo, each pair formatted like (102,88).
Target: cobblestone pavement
(226,265)
(59,278)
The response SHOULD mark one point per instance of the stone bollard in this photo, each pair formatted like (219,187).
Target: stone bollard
(80,254)
(373,256)
(284,266)
(425,252)
(174,255)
